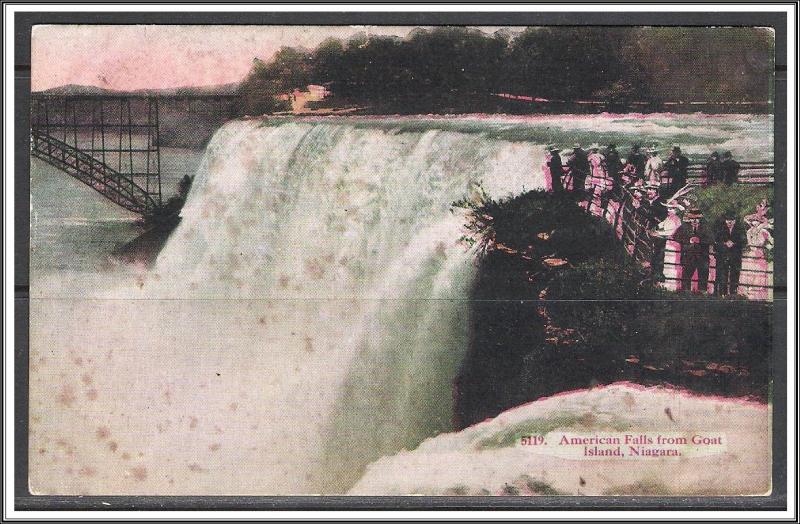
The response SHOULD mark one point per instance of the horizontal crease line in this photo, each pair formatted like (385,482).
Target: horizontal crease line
(374,299)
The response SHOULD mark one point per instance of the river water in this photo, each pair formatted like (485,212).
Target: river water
(306,317)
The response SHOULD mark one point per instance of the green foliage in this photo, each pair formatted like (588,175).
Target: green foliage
(457,68)
(618,94)
(564,63)
(625,318)
(516,222)
(695,63)
(260,91)
(327,61)
(717,199)
(260,98)
(289,69)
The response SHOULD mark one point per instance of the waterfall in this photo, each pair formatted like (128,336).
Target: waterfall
(358,222)
(330,207)
(307,316)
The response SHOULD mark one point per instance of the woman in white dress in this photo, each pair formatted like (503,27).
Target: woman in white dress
(755,279)
(653,166)
(665,230)
(599,182)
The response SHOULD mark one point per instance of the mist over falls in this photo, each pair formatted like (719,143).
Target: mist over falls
(357,223)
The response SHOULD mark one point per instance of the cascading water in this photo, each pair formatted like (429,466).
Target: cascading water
(277,202)
(355,220)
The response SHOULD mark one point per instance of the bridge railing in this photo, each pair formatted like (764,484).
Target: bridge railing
(92,172)
(750,173)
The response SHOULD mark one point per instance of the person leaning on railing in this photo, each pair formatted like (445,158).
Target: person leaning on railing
(556,169)
(730,168)
(713,172)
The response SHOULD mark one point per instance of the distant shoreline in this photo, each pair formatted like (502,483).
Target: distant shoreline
(416,103)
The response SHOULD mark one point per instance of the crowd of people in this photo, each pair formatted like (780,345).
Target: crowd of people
(596,168)
(648,200)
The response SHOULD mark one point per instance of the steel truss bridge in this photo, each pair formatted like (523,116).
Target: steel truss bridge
(111,143)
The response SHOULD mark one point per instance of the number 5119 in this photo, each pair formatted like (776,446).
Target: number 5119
(532,440)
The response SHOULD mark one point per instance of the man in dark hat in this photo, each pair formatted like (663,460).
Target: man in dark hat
(637,159)
(654,212)
(677,165)
(653,205)
(730,168)
(695,243)
(713,169)
(729,240)
(556,169)
(578,165)
(613,164)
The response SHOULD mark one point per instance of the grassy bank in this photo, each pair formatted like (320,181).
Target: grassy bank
(559,306)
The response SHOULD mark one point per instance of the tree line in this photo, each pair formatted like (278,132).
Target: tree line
(455,68)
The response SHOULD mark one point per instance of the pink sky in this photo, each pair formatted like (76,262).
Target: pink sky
(159,56)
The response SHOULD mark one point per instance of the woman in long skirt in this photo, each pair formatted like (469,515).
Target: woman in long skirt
(599,182)
(755,278)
